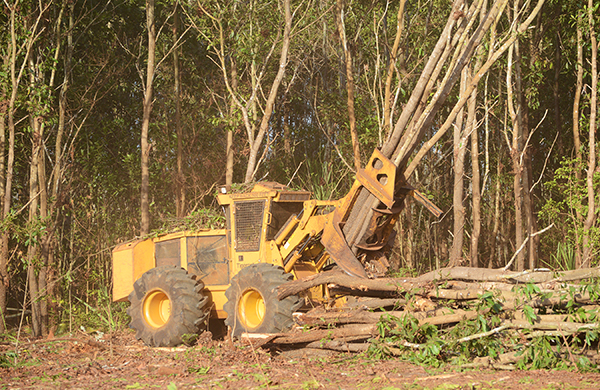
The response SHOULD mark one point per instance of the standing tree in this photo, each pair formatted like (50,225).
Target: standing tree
(588,227)
(252,28)
(341,26)
(424,104)
(147,105)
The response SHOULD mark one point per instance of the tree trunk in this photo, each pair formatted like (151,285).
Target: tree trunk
(229,147)
(3,265)
(475,174)
(349,83)
(516,145)
(145,147)
(405,138)
(460,148)
(576,135)
(496,223)
(8,177)
(264,124)
(34,219)
(588,243)
(475,182)
(180,179)
(391,69)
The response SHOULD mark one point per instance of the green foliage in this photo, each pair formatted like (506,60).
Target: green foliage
(7,359)
(564,258)
(97,204)
(104,315)
(569,199)
(326,180)
(196,220)
(199,370)
(486,335)
(395,332)
(542,353)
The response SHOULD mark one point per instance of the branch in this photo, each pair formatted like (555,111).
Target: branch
(523,245)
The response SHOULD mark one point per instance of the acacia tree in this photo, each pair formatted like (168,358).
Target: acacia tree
(249,104)
(341,26)
(575,126)
(147,105)
(423,105)
(588,226)
(18,60)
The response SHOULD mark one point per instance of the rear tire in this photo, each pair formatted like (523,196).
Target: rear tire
(252,304)
(167,303)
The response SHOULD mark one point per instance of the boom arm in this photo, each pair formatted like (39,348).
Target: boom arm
(379,178)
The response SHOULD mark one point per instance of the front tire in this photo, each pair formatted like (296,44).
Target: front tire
(167,303)
(252,304)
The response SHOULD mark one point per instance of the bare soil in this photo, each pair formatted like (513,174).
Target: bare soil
(120,361)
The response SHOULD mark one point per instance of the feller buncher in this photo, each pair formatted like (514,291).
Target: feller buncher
(175,282)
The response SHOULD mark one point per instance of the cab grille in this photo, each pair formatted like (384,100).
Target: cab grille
(248,225)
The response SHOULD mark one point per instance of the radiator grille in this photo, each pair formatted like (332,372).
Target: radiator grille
(248,224)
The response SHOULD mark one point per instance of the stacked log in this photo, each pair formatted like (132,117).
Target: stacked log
(517,308)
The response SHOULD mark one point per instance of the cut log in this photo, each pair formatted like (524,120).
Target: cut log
(325,334)
(499,275)
(376,303)
(435,317)
(345,280)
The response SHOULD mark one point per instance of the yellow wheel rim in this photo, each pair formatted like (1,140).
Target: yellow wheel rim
(157,308)
(251,309)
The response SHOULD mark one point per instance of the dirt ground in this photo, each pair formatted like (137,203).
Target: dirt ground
(120,361)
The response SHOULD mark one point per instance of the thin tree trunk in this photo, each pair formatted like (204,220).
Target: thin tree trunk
(229,147)
(3,265)
(287,134)
(180,179)
(496,224)
(458,206)
(15,81)
(32,249)
(528,204)
(588,244)
(391,70)
(57,175)
(349,83)
(475,174)
(405,139)
(475,182)
(576,135)
(256,143)
(514,108)
(145,147)
(410,236)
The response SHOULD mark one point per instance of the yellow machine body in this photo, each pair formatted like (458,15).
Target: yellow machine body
(269,224)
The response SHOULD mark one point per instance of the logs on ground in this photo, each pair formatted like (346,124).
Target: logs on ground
(467,316)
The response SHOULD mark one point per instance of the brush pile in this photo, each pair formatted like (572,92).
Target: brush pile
(468,316)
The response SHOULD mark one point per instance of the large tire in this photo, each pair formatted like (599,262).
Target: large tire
(252,304)
(166,303)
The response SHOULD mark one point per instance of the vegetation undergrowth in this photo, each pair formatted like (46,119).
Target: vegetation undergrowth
(493,338)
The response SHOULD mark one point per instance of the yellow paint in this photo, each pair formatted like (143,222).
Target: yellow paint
(251,309)
(130,261)
(294,244)
(156,308)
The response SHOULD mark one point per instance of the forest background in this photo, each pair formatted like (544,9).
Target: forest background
(122,117)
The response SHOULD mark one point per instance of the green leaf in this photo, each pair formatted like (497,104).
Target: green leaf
(529,314)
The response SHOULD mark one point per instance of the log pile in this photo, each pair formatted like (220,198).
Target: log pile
(490,317)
